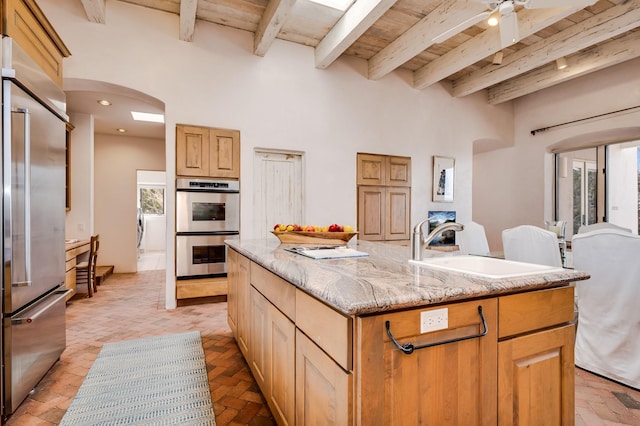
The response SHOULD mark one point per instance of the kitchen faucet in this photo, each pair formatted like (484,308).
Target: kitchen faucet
(417,239)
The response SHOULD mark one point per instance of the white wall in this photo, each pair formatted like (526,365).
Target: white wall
(79,219)
(281,101)
(516,182)
(117,160)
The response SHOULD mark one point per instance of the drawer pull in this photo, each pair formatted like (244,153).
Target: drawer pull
(408,348)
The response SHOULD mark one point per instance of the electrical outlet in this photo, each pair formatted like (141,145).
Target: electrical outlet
(436,319)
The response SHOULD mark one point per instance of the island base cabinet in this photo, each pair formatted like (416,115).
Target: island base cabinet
(451,383)
(272,347)
(323,390)
(536,378)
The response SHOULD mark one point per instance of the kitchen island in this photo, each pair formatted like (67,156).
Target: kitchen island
(376,340)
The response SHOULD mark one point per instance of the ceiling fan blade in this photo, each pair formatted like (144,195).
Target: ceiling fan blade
(509,29)
(540,4)
(460,27)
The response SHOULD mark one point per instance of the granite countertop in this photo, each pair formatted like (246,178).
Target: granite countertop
(384,280)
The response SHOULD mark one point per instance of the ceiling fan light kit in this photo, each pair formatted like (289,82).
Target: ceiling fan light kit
(504,13)
(494,18)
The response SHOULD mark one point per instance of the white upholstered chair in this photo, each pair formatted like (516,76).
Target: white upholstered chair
(608,336)
(601,225)
(531,244)
(473,240)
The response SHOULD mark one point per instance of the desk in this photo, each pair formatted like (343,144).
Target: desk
(73,250)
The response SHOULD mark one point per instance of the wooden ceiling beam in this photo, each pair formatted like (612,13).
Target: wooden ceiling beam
(274,17)
(357,19)
(610,23)
(419,37)
(95,10)
(485,44)
(588,61)
(187,19)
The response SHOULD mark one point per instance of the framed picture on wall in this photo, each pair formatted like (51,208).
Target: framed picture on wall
(437,218)
(443,177)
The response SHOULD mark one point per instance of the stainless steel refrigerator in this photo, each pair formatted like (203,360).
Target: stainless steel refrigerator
(33,221)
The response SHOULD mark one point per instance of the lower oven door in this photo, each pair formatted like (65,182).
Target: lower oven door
(34,340)
(200,256)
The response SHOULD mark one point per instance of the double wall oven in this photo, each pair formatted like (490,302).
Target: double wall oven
(207,213)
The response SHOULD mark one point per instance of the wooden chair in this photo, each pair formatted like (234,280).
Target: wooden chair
(86,271)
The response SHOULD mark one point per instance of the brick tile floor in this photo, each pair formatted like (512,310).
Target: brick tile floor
(129,306)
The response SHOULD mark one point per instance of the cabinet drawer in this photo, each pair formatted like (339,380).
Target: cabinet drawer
(524,312)
(205,287)
(329,329)
(70,264)
(278,291)
(447,322)
(76,251)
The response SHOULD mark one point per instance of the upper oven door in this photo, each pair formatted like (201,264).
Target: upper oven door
(204,211)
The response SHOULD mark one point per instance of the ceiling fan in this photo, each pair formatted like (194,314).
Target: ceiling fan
(503,13)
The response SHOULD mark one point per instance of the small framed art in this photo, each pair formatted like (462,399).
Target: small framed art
(443,178)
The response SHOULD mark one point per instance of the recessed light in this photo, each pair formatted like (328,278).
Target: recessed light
(146,116)
(104,102)
(121,130)
(561,63)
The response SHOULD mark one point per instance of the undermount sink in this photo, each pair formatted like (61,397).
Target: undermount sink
(486,267)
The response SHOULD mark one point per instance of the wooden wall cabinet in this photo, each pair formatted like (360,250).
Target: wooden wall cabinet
(25,22)
(385,170)
(207,152)
(384,197)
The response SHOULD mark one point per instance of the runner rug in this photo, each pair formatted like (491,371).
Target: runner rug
(152,381)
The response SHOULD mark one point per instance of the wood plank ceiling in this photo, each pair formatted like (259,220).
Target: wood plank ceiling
(391,34)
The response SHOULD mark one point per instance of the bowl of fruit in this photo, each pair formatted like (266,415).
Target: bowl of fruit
(310,234)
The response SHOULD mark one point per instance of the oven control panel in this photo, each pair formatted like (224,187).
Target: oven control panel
(183,184)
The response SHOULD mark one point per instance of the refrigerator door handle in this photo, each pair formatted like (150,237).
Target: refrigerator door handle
(27,198)
(28,319)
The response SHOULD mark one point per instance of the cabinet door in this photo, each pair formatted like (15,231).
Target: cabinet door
(224,153)
(232,290)
(536,378)
(449,384)
(398,171)
(281,361)
(243,306)
(273,357)
(371,212)
(371,169)
(192,151)
(259,339)
(323,389)
(398,213)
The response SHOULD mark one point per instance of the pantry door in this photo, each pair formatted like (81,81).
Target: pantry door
(279,189)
